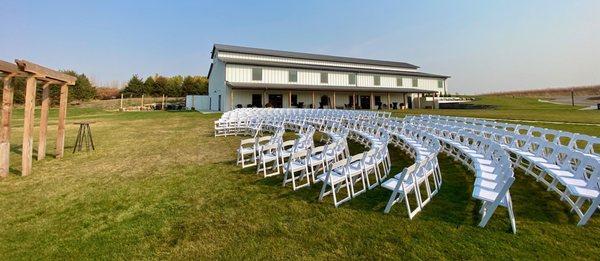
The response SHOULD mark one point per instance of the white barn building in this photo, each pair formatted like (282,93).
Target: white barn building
(245,77)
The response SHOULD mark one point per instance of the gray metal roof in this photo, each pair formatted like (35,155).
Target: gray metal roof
(300,87)
(319,57)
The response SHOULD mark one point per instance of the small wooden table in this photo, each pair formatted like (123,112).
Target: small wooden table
(84,136)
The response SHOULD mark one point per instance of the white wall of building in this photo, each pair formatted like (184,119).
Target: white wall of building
(263,58)
(198,102)
(216,86)
(275,75)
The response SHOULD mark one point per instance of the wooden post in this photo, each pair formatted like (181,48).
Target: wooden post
(313,100)
(29,114)
(572,98)
(404,100)
(62,115)
(333,100)
(389,101)
(354,100)
(142,101)
(419,100)
(7,103)
(163,103)
(372,101)
(290,99)
(121,102)
(264,97)
(41,153)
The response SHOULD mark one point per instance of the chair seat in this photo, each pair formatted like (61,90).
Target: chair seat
(335,178)
(486,184)
(572,181)
(393,182)
(485,194)
(549,166)
(583,192)
(560,173)
(295,166)
(484,161)
(269,157)
(485,168)
(246,150)
(486,175)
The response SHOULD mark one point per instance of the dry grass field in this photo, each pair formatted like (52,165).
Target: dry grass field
(160,186)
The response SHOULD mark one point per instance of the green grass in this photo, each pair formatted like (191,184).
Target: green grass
(160,186)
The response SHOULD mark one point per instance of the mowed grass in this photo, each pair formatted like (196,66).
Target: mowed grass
(159,185)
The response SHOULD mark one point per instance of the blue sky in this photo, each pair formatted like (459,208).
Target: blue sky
(484,45)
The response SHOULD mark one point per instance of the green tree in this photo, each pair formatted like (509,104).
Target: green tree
(149,85)
(135,86)
(195,85)
(83,89)
(160,85)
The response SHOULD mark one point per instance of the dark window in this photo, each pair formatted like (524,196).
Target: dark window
(399,81)
(256,74)
(352,79)
(257,100)
(440,84)
(293,76)
(376,80)
(294,100)
(324,77)
(415,82)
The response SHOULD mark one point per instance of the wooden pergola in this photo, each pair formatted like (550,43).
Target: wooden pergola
(32,73)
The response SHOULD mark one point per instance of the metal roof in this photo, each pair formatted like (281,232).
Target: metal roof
(300,87)
(319,57)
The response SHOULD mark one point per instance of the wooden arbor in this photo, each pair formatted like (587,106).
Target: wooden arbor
(32,73)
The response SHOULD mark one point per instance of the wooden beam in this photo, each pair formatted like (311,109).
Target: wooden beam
(7,67)
(62,115)
(41,153)
(29,115)
(354,100)
(313,100)
(42,71)
(290,99)
(372,101)
(7,104)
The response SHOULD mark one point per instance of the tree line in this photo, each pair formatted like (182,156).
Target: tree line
(84,90)
(175,86)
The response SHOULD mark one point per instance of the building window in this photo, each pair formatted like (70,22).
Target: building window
(399,81)
(293,76)
(415,82)
(324,78)
(257,74)
(294,100)
(376,80)
(257,100)
(352,79)
(440,83)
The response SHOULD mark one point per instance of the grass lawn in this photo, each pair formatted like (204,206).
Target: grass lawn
(159,185)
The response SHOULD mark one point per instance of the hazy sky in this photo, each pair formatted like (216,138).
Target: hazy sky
(484,45)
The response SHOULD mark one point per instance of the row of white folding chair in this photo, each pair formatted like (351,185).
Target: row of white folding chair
(579,142)
(489,162)
(554,165)
(312,161)
(347,173)
(411,180)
